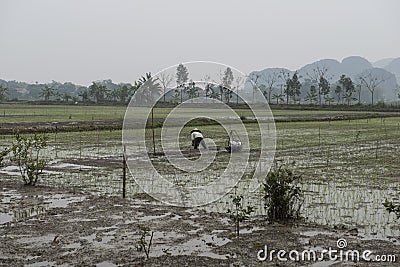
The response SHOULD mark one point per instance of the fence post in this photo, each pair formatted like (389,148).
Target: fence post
(124,173)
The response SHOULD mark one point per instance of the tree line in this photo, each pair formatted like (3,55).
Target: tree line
(278,87)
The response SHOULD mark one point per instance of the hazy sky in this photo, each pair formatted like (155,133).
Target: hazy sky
(86,40)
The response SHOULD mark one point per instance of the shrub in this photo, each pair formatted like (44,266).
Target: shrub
(26,153)
(282,195)
(392,207)
(3,154)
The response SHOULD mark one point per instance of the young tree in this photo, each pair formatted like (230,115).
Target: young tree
(27,154)
(371,81)
(182,76)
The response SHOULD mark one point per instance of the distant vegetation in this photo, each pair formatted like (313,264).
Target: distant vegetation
(324,83)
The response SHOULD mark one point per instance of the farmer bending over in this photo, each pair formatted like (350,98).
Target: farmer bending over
(197,138)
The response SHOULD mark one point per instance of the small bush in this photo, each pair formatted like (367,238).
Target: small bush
(392,207)
(282,195)
(26,153)
(3,154)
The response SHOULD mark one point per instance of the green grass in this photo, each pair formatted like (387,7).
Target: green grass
(53,113)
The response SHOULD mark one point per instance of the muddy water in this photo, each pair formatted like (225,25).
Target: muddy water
(344,184)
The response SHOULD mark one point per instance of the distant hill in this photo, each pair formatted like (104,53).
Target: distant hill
(394,67)
(353,67)
(382,63)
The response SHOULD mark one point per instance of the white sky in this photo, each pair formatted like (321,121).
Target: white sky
(86,40)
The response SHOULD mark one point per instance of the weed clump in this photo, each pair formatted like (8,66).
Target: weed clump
(282,194)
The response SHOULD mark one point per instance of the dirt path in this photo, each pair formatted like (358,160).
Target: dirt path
(53,227)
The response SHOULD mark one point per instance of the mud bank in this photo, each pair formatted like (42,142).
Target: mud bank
(43,226)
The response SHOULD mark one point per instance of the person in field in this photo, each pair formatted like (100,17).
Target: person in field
(197,139)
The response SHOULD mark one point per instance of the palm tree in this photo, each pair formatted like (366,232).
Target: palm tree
(98,91)
(47,92)
(84,95)
(149,89)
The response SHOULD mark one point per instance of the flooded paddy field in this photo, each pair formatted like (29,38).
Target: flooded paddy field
(348,167)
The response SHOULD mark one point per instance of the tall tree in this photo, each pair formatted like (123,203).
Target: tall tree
(371,81)
(278,97)
(122,92)
(315,76)
(283,76)
(84,95)
(149,90)
(312,95)
(295,87)
(47,92)
(227,84)
(3,92)
(98,91)
(348,87)
(254,80)
(338,92)
(270,80)
(324,87)
(191,90)
(238,83)
(182,76)
(165,81)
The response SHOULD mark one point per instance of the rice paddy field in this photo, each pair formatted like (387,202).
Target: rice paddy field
(348,167)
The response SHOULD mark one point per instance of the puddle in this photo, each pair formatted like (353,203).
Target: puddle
(72,166)
(62,201)
(37,240)
(106,264)
(14,170)
(5,218)
(325,263)
(198,246)
(250,230)
(153,217)
(9,214)
(101,240)
(42,263)
(72,246)
(314,233)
